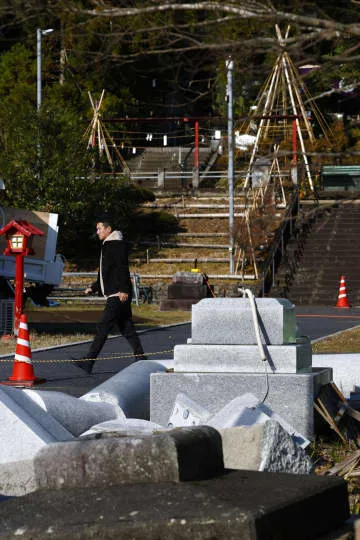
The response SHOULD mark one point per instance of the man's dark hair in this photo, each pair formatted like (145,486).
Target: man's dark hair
(106,219)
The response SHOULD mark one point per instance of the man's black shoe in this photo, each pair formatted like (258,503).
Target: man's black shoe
(140,357)
(86,365)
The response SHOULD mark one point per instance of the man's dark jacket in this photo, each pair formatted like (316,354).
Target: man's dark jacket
(114,267)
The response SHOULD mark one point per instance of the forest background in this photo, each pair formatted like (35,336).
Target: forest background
(155,60)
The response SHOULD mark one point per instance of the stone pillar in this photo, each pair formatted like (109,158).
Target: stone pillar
(195,178)
(161,179)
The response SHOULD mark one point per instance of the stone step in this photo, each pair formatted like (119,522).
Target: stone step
(328,253)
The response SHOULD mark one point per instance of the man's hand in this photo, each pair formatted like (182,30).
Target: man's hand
(123,296)
(88,290)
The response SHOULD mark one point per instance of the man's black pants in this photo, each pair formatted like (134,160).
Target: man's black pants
(116,313)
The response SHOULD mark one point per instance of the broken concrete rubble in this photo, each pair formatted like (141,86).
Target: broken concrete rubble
(263,447)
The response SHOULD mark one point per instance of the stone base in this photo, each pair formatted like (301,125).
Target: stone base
(179,291)
(242,358)
(244,505)
(289,395)
(184,304)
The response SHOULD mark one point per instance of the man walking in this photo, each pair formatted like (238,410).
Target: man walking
(114,283)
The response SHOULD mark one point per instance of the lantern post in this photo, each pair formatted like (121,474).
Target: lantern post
(19,234)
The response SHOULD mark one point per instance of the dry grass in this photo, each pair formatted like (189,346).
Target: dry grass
(42,340)
(343,342)
(144,315)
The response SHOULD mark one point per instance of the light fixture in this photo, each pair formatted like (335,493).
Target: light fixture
(16,241)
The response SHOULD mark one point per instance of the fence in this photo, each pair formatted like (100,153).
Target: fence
(162,177)
(141,293)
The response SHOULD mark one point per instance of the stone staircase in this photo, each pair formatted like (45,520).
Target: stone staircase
(153,159)
(311,270)
(173,163)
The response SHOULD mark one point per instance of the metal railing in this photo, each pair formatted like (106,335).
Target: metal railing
(276,253)
(184,177)
(139,290)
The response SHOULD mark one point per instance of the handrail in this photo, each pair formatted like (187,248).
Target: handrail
(278,242)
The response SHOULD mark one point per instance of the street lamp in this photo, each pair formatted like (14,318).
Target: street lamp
(39,34)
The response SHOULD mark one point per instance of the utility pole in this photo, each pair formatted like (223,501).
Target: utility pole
(39,34)
(229,99)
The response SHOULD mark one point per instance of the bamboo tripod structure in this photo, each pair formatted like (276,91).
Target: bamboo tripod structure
(98,135)
(280,115)
(281,102)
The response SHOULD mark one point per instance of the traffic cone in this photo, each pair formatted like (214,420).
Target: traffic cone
(342,301)
(23,371)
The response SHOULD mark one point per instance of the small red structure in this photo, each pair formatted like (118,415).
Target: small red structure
(19,234)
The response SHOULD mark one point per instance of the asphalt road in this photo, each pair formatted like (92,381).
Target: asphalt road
(318,322)
(55,365)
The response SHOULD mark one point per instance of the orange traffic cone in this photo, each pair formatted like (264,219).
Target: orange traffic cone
(342,301)
(23,371)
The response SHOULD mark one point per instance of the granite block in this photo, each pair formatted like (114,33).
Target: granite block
(229,321)
(242,358)
(180,454)
(76,415)
(188,277)
(186,290)
(247,410)
(289,395)
(186,412)
(263,447)
(346,369)
(130,388)
(25,427)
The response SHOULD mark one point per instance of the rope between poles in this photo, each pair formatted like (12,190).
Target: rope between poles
(99,358)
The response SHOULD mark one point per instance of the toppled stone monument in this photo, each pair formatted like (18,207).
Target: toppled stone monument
(245,410)
(186,289)
(222,361)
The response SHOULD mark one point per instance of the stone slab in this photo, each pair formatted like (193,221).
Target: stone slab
(242,358)
(76,415)
(181,305)
(346,369)
(244,505)
(229,321)
(290,396)
(17,478)
(187,412)
(130,388)
(180,454)
(25,427)
(247,410)
(185,290)
(129,427)
(192,278)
